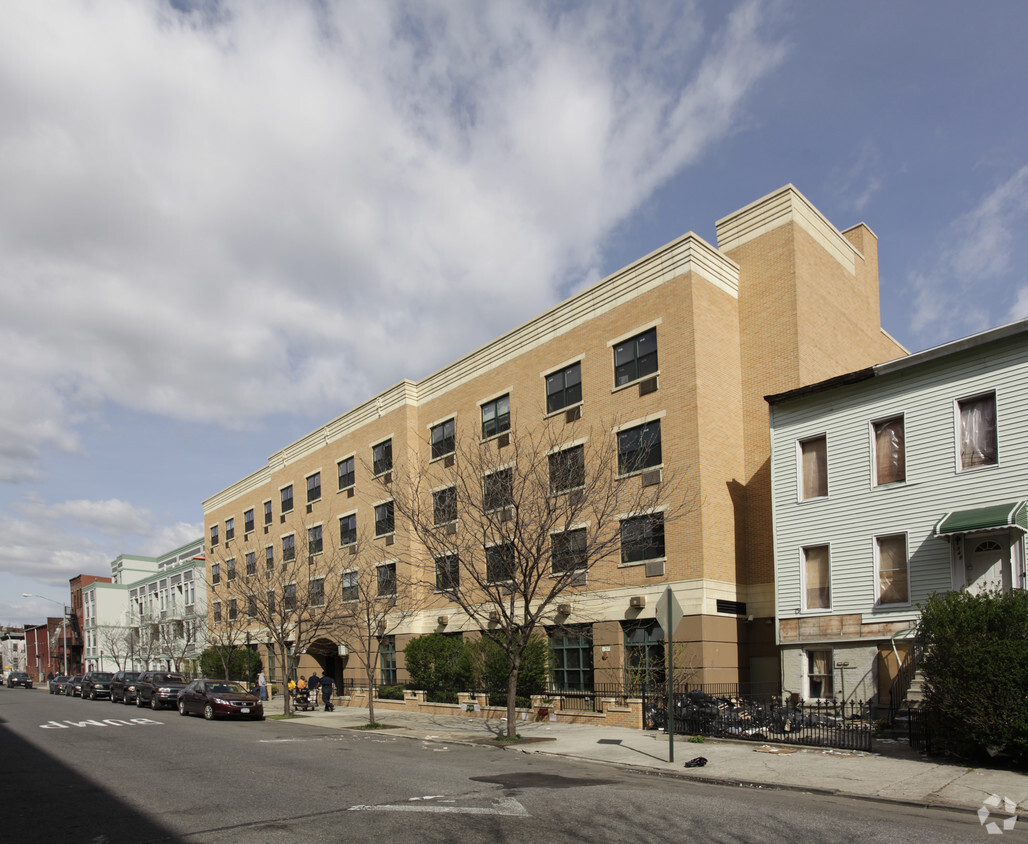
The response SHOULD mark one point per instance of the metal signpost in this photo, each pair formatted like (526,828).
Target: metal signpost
(669,613)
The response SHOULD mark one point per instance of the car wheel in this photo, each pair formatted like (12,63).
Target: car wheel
(92,695)
(208,712)
(155,704)
(139,701)
(181,707)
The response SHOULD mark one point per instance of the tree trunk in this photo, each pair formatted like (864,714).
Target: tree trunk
(371,697)
(512,691)
(284,652)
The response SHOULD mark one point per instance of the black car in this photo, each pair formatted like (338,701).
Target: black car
(96,684)
(55,684)
(67,688)
(158,689)
(123,687)
(19,678)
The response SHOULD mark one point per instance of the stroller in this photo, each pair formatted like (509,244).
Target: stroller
(302,701)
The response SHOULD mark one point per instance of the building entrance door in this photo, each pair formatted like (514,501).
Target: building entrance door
(987,563)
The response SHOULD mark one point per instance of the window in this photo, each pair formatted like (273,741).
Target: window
(251,606)
(230,529)
(271,600)
(314,544)
(635,358)
(567,469)
(348,529)
(387,579)
(346,476)
(317,592)
(564,388)
(314,487)
(251,563)
(978,445)
(499,563)
(288,548)
(289,597)
(447,572)
(287,499)
(230,567)
(639,448)
(571,658)
(498,489)
(444,505)
(893,573)
(817,593)
(495,417)
(642,538)
(349,586)
(214,535)
(443,439)
(215,573)
(387,659)
(217,610)
(248,521)
(569,551)
(267,512)
(384,518)
(233,610)
(269,557)
(890,453)
(819,674)
(382,457)
(813,468)
(644,653)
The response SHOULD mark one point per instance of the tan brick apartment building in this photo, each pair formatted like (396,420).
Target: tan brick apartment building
(687,341)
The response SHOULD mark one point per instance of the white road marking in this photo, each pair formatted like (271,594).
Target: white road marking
(106,722)
(504,806)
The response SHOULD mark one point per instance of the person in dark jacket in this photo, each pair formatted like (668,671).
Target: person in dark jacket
(326,692)
(313,684)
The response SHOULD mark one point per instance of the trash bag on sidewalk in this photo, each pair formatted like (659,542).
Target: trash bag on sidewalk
(698,762)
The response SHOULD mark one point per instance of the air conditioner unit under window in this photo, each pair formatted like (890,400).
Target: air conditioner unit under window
(637,601)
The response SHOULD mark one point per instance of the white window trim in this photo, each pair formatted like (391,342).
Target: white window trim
(509,391)
(642,420)
(799,469)
(877,561)
(441,421)
(803,580)
(958,468)
(806,670)
(557,449)
(634,332)
(873,444)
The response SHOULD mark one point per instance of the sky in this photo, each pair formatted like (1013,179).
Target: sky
(222,224)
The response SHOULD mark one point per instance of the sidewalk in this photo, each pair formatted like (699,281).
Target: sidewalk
(911,780)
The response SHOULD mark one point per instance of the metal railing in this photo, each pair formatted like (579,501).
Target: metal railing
(588,700)
(904,677)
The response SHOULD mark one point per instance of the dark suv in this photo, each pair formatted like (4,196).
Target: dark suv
(158,689)
(123,687)
(96,684)
(19,678)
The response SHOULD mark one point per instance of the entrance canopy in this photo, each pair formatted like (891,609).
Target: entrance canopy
(994,517)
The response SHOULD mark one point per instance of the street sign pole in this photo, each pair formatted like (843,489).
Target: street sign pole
(669,613)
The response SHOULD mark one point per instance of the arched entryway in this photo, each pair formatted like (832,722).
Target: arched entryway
(322,655)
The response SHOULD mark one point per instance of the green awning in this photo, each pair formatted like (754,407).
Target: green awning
(997,516)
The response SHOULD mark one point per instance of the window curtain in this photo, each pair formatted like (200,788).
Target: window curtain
(893,587)
(815,468)
(978,432)
(818,583)
(890,454)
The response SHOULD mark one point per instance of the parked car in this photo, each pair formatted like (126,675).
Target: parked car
(19,678)
(96,684)
(158,689)
(68,686)
(55,683)
(123,687)
(219,698)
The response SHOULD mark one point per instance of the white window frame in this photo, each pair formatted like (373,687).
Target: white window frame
(800,497)
(877,567)
(803,578)
(958,430)
(875,483)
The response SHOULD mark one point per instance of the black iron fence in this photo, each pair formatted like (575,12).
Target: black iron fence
(577,700)
(845,725)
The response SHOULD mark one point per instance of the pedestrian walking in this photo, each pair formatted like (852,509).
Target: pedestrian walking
(262,686)
(313,684)
(326,693)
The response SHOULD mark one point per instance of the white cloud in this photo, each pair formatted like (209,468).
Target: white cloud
(285,206)
(1020,308)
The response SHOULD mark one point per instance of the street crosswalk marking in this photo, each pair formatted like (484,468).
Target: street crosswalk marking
(503,806)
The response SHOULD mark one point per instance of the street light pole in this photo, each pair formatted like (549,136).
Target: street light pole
(64,624)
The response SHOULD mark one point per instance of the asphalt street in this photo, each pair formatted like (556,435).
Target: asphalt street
(83,771)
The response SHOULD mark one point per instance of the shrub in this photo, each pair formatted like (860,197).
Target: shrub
(976,671)
(439,664)
(243,663)
(390,693)
(493,668)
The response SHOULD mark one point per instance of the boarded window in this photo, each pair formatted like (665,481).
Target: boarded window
(978,432)
(814,468)
(890,452)
(893,577)
(817,578)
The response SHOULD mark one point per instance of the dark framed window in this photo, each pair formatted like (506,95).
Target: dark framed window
(271,600)
(230,569)
(447,572)
(215,573)
(498,489)
(248,521)
(349,586)
(233,610)
(567,469)
(444,505)
(499,563)
(384,518)
(382,457)
(287,499)
(346,473)
(230,529)
(819,674)
(496,417)
(564,388)
(568,551)
(289,597)
(288,548)
(387,660)
(348,529)
(571,658)
(443,441)
(644,653)
(217,610)
(267,512)
(387,579)
(251,563)
(251,606)
(269,557)
(635,358)
(214,535)
(314,487)
(639,448)
(642,538)
(316,592)
(314,542)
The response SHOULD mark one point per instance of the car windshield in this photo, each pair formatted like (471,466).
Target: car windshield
(224,688)
(102,675)
(129,675)
(168,678)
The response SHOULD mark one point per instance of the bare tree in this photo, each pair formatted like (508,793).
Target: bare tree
(115,641)
(516,526)
(145,639)
(180,639)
